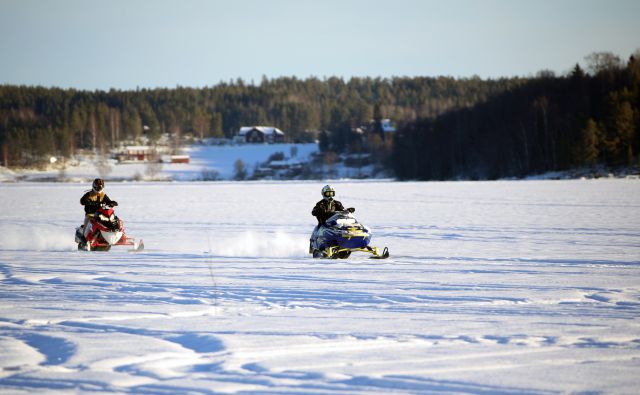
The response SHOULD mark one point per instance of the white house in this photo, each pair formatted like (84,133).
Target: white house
(260,134)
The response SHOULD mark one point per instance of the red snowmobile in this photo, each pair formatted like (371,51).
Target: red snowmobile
(106,230)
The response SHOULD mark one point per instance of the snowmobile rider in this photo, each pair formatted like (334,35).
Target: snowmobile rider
(328,206)
(92,200)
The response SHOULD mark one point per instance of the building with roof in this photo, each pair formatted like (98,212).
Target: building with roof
(136,153)
(260,134)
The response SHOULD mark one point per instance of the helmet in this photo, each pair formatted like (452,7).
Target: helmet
(98,185)
(328,192)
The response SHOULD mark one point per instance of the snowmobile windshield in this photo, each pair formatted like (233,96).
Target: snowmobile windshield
(341,219)
(346,221)
(105,218)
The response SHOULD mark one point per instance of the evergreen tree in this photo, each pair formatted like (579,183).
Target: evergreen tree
(66,144)
(323,141)
(588,145)
(377,121)
(78,127)
(626,129)
(132,124)
(217,125)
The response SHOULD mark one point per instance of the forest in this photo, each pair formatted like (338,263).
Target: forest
(38,122)
(546,124)
(447,128)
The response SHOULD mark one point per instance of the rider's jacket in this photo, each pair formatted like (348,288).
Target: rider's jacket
(92,201)
(324,209)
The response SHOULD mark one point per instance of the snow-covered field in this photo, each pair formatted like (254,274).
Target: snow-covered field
(524,287)
(203,159)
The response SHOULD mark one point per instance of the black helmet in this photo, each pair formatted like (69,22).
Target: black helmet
(98,185)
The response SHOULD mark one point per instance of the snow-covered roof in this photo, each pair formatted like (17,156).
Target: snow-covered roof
(268,130)
(138,148)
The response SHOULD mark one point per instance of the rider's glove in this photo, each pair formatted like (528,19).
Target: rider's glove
(113,203)
(351,209)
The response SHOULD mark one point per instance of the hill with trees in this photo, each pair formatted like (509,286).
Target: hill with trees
(547,124)
(447,128)
(38,122)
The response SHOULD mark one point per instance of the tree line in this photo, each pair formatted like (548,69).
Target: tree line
(38,122)
(448,128)
(547,124)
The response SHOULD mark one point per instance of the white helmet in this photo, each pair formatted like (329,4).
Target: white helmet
(328,192)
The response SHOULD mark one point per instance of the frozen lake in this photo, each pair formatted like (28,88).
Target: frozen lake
(524,287)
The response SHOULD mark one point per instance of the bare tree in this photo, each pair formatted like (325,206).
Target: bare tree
(154,165)
(153,168)
(603,61)
(240,170)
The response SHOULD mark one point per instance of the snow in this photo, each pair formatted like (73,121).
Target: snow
(528,287)
(203,159)
(222,158)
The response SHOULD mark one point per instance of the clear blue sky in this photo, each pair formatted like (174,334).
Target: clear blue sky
(124,44)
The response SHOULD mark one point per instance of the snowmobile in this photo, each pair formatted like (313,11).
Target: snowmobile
(341,235)
(107,230)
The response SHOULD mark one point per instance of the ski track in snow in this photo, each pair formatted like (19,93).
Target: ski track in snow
(492,287)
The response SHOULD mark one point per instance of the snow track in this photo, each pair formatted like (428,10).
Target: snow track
(503,287)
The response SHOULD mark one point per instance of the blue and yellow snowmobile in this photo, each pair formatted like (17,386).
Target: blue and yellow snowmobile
(341,235)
